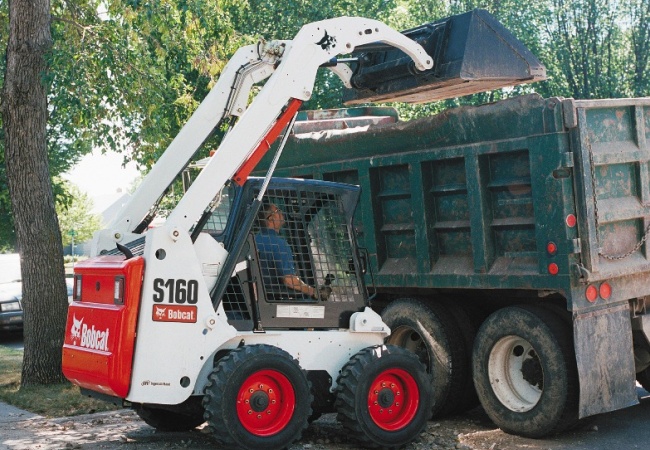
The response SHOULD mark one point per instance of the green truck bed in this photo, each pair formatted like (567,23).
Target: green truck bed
(542,195)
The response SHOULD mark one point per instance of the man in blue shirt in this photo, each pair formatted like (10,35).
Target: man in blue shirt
(276,258)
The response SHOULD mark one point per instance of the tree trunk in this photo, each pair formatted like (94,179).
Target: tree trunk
(24,113)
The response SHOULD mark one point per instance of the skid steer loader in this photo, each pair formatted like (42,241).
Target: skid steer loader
(248,308)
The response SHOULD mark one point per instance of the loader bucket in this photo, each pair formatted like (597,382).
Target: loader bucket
(472,52)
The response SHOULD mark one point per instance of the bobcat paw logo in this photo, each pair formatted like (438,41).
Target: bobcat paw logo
(75,330)
(160,312)
(327,42)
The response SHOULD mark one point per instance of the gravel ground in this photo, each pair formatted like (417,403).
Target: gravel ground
(124,430)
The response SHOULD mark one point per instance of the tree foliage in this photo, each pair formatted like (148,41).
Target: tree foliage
(76,218)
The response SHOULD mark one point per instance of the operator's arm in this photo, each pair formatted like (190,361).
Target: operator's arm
(295,283)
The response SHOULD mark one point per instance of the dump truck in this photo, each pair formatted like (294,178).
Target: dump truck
(506,245)
(262,323)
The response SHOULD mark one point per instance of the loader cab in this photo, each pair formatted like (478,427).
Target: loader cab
(317,230)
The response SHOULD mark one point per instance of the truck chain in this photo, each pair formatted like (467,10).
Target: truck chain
(646,234)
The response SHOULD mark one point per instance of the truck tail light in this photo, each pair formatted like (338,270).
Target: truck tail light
(571,220)
(76,289)
(591,293)
(551,248)
(553,269)
(605,290)
(119,290)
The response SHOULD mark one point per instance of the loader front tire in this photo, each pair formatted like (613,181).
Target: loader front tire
(383,396)
(257,397)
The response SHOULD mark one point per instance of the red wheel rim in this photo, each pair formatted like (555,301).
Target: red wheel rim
(265,402)
(393,399)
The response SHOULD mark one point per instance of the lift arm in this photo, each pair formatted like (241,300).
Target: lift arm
(292,67)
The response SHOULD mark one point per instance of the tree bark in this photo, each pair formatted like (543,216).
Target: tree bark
(24,114)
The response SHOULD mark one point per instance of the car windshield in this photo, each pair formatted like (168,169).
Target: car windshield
(9,268)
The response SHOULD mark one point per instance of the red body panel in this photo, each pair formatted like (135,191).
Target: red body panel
(100,334)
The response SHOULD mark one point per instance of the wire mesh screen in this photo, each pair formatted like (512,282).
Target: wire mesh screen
(216,223)
(304,247)
(234,301)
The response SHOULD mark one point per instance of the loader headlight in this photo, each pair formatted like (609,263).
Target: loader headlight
(76,289)
(119,291)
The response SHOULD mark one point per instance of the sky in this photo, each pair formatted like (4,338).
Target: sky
(102,177)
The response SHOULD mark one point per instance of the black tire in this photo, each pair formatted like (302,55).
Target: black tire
(465,398)
(257,397)
(430,331)
(164,419)
(383,396)
(525,371)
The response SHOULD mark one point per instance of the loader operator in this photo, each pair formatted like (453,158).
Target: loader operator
(276,259)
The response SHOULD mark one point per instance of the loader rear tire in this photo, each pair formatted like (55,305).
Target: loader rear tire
(383,396)
(429,330)
(257,397)
(525,371)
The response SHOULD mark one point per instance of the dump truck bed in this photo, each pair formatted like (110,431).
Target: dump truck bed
(527,193)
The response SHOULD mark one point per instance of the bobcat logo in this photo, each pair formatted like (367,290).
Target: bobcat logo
(160,312)
(75,330)
(327,42)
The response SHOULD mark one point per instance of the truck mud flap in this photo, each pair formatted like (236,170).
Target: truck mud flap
(472,52)
(604,353)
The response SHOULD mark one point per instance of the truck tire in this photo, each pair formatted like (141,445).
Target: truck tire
(166,420)
(525,371)
(257,397)
(383,396)
(465,321)
(430,331)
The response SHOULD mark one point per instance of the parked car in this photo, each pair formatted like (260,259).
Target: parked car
(11,293)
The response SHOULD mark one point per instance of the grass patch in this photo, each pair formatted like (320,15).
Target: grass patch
(56,400)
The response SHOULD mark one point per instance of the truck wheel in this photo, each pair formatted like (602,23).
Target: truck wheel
(525,371)
(383,396)
(430,331)
(257,397)
(166,420)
